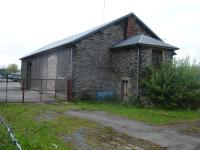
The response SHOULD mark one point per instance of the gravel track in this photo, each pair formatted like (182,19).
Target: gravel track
(165,137)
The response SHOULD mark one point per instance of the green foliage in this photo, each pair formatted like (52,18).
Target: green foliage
(35,132)
(173,85)
(163,116)
(12,68)
(134,100)
(2,71)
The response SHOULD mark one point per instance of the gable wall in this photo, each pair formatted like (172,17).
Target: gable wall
(92,62)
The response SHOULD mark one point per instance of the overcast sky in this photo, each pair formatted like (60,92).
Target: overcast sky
(27,25)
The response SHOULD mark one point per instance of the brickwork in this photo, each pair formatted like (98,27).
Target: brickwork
(131,27)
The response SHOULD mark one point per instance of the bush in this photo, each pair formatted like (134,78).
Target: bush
(173,85)
(134,100)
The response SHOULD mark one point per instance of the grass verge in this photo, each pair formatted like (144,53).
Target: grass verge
(42,126)
(151,116)
(36,131)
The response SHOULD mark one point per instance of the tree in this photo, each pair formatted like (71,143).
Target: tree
(2,71)
(12,68)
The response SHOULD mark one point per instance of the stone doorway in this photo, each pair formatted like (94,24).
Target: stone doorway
(124,90)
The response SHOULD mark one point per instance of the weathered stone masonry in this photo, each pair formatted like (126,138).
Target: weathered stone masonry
(92,65)
(92,62)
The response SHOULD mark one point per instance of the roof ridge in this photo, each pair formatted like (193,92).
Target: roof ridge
(79,36)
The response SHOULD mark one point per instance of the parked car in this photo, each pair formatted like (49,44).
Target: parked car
(14,77)
(2,76)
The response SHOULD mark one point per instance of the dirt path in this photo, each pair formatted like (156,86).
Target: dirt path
(170,139)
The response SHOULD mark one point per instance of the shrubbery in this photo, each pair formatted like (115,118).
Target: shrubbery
(173,85)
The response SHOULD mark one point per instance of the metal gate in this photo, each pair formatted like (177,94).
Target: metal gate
(13,89)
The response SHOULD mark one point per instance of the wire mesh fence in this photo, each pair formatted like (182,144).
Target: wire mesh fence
(33,90)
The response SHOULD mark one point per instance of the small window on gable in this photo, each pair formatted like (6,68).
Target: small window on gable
(157,57)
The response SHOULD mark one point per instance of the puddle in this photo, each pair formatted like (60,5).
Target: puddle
(78,140)
(105,138)
(189,128)
(47,116)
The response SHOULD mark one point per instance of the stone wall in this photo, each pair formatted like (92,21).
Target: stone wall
(94,63)
(125,66)
(92,59)
(167,55)
(145,58)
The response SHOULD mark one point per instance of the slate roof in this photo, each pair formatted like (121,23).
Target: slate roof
(77,37)
(144,40)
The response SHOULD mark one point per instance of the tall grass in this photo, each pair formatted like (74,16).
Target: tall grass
(174,84)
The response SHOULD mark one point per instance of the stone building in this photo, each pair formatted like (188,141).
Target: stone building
(105,59)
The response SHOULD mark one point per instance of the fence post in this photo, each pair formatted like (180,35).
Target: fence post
(23,84)
(6,88)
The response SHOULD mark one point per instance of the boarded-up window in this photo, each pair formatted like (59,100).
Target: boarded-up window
(156,57)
